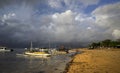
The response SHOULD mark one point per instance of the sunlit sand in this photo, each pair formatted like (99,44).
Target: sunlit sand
(96,61)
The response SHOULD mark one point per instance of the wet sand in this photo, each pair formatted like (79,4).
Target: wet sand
(96,61)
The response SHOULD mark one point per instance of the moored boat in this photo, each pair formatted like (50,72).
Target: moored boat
(33,52)
(42,54)
(4,49)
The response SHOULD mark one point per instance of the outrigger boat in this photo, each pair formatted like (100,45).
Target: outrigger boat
(33,52)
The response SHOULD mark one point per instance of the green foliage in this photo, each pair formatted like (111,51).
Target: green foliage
(105,44)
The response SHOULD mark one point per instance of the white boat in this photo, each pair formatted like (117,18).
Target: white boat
(4,49)
(43,54)
(31,52)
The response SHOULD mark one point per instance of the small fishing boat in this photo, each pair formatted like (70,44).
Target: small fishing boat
(4,49)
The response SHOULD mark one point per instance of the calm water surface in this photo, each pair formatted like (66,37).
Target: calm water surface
(12,63)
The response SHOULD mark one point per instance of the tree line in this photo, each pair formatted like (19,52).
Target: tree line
(105,44)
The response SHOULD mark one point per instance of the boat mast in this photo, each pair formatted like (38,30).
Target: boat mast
(49,43)
(31,46)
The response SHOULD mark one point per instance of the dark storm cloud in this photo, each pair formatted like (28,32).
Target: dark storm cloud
(22,21)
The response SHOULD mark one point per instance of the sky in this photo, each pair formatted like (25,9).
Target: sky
(74,22)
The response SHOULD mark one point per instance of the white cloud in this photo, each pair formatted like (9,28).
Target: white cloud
(107,17)
(110,9)
(69,26)
(89,28)
(116,33)
(8,16)
(100,25)
(65,18)
(55,3)
(63,24)
(76,5)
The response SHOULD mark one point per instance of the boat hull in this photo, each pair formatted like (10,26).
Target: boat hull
(37,54)
(2,50)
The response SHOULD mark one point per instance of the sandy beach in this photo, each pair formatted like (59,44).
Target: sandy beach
(96,61)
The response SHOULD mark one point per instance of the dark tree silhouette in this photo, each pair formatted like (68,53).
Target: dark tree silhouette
(105,44)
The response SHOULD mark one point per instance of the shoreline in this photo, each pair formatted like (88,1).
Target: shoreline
(95,61)
(67,66)
(70,62)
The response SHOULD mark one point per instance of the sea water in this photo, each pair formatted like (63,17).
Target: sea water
(12,63)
